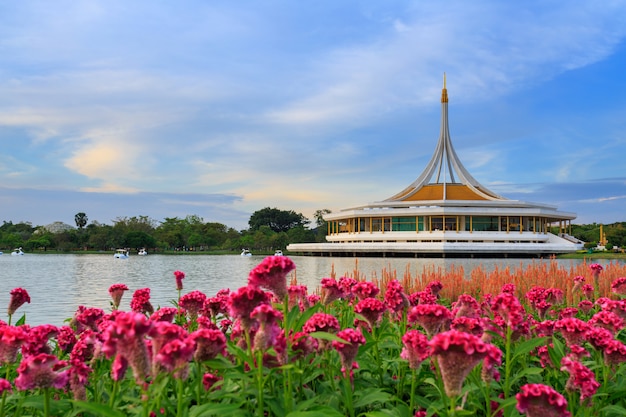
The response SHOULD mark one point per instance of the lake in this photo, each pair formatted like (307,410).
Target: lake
(58,284)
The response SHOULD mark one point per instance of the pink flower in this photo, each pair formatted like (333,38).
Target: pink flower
(38,372)
(585,306)
(348,349)
(209,380)
(141,301)
(193,303)
(119,368)
(508,288)
(568,312)
(619,286)
(365,289)
(214,306)
(78,378)
(179,276)
(244,300)
(581,378)
(116,291)
(372,309)
(588,291)
(330,290)
(432,317)
(538,400)
(11,338)
(298,296)
(572,329)
(435,287)
(269,331)
(175,355)
(89,317)
(595,269)
(38,338)
(598,337)
(164,314)
(395,299)
(302,344)
(271,274)
(321,322)
(209,344)
(416,348)
(508,306)
(544,328)
(66,338)
(19,296)
(4,386)
(608,320)
(468,325)
(466,306)
(346,284)
(457,354)
(578,283)
(614,352)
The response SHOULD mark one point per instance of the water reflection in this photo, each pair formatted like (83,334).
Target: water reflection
(58,284)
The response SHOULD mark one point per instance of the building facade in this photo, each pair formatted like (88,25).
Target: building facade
(445,212)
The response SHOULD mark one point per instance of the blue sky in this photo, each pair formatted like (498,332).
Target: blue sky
(158,108)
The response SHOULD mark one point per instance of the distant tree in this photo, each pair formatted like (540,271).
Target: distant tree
(81,220)
(277,220)
(319,217)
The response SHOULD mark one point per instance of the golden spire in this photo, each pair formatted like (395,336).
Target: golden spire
(444,92)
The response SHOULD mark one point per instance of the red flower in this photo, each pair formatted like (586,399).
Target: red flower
(179,276)
(608,320)
(271,274)
(164,314)
(141,301)
(349,349)
(4,386)
(598,337)
(572,329)
(432,317)
(614,352)
(19,296)
(11,338)
(38,372)
(243,301)
(330,290)
(175,355)
(581,378)
(89,317)
(588,291)
(372,309)
(509,308)
(619,286)
(209,344)
(395,299)
(209,380)
(38,338)
(585,306)
(321,322)
(457,354)
(268,332)
(416,348)
(468,325)
(538,400)
(365,289)
(595,268)
(298,295)
(466,306)
(193,303)
(435,287)
(116,291)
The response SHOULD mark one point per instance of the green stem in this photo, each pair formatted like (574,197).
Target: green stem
(347,393)
(507,363)
(413,388)
(179,408)
(46,402)
(260,382)
(113,393)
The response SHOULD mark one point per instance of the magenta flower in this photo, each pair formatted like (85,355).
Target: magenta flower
(164,314)
(372,309)
(467,325)
(585,306)
(179,276)
(432,317)
(466,306)
(116,291)
(192,302)
(298,296)
(89,317)
(509,308)
(243,301)
(365,289)
(581,378)
(141,302)
(38,372)
(588,291)
(5,386)
(395,299)
(11,338)
(435,287)
(572,329)
(416,348)
(269,331)
(619,286)
(578,283)
(457,353)
(302,344)
(119,368)
(348,350)
(538,400)
(598,337)
(209,344)
(175,355)
(271,274)
(163,332)
(78,378)
(66,338)
(608,320)
(614,352)
(19,296)
(37,341)
(330,290)
(209,380)
(214,306)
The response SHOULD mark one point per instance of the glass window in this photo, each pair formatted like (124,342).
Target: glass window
(403,224)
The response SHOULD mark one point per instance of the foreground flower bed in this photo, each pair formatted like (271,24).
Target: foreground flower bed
(541,341)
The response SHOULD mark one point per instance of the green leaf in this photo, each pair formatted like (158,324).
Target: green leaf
(217,410)
(371,397)
(528,345)
(613,410)
(98,409)
(327,336)
(320,412)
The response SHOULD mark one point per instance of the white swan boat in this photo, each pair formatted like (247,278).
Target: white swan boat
(17,252)
(278,253)
(142,252)
(245,252)
(121,254)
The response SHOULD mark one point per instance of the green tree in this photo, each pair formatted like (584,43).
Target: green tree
(277,220)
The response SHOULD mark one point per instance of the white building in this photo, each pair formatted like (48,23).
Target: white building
(445,212)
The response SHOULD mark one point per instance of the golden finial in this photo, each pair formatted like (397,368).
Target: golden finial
(444,92)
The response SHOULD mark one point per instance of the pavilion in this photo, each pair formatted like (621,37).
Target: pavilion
(445,212)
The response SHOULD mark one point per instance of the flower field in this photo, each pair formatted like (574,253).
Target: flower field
(540,340)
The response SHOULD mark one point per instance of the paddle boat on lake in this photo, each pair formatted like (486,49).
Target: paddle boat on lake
(142,252)
(17,252)
(121,254)
(245,252)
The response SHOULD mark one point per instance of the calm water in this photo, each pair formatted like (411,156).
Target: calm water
(58,284)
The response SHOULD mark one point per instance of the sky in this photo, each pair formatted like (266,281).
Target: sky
(220,108)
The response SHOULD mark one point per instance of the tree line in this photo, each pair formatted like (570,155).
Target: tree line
(269,229)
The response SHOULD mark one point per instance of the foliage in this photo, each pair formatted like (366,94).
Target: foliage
(277,220)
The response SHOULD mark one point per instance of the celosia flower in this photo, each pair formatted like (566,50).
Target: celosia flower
(271,274)
(432,317)
(321,322)
(78,378)
(568,312)
(19,296)
(508,288)
(84,348)
(348,351)
(435,287)
(508,306)
(585,306)
(457,353)
(346,284)
(330,290)
(164,314)
(416,348)
(619,308)
(116,291)
(608,320)
(37,341)
(614,352)
(544,328)
(538,400)
(163,332)
(209,380)
(5,386)
(588,291)
(243,301)
(542,308)
(119,368)
(466,306)
(467,324)
(302,344)
(619,286)
(175,355)
(598,337)
(267,317)
(595,269)
(38,372)
(141,301)
(125,336)
(11,338)
(489,372)
(544,356)
(577,352)
(209,344)
(395,299)
(193,303)
(581,378)
(179,276)
(422,297)
(298,296)
(572,329)
(372,309)
(365,289)
(89,317)
(578,283)
(66,338)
